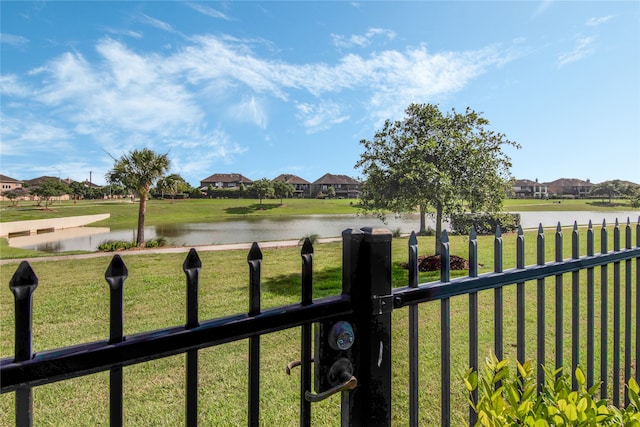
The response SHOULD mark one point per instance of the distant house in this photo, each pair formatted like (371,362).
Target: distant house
(343,185)
(527,189)
(225,181)
(8,184)
(302,186)
(569,187)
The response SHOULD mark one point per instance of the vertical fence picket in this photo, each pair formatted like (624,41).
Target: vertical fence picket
(575,306)
(497,298)
(413,333)
(627,311)
(305,347)
(638,304)
(604,314)
(590,310)
(616,317)
(115,276)
(559,302)
(445,333)
(23,283)
(540,310)
(254,260)
(191,267)
(473,318)
(520,299)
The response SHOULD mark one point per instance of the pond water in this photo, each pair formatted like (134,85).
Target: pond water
(276,228)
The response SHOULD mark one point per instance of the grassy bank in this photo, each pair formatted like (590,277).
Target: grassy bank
(124,214)
(71,306)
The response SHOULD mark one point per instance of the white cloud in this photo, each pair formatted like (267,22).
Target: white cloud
(13,40)
(128,33)
(583,48)
(249,110)
(24,137)
(209,11)
(316,118)
(161,25)
(363,40)
(10,85)
(594,22)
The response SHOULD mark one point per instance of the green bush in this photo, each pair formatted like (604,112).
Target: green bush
(511,400)
(115,245)
(156,243)
(484,223)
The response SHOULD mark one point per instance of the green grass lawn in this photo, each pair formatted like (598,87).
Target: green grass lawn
(124,214)
(71,307)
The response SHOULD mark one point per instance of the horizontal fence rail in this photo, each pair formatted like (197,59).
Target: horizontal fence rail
(368,300)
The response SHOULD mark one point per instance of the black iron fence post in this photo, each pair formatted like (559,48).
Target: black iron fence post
(369,404)
(23,284)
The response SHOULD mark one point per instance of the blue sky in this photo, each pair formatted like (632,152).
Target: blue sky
(264,88)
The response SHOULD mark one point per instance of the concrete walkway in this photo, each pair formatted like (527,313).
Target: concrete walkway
(169,250)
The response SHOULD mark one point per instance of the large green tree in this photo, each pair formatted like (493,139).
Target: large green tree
(432,161)
(613,189)
(137,171)
(262,188)
(48,189)
(283,189)
(172,184)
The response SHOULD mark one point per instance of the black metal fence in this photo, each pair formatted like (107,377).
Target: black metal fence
(366,301)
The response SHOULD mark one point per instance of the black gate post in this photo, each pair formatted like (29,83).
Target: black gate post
(368,271)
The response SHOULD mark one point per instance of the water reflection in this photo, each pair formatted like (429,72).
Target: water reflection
(274,228)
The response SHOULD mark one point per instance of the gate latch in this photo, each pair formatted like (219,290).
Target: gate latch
(381,304)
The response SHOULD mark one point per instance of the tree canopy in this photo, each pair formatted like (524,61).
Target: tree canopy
(262,188)
(172,184)
(434,161)
(613,189)
(282,189)
(137,171)
(49,188)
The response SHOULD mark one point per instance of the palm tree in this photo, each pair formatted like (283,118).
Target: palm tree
(137,171)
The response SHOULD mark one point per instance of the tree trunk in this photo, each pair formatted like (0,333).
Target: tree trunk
(438,227)
(423,222)
(142,210)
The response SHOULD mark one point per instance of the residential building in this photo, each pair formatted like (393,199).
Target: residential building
(301,186)
(343,185)
(8,183)
(527,189)
(569,187)
(225,181)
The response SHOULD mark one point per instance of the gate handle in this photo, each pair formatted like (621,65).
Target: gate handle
(350,384)
(294,364)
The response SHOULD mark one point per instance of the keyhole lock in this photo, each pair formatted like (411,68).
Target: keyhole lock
(341,336)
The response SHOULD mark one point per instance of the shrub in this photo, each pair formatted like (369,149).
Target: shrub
(484,223)
(115,245)
(156,243)
(506,400)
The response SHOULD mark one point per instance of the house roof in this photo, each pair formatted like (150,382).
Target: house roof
(5,178)
(329,179)
(291,179)
(525,183)
(227,177)
(569,182)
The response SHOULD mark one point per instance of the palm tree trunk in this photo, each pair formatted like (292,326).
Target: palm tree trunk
(142,210)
